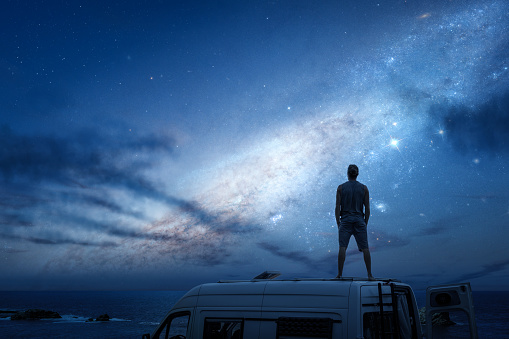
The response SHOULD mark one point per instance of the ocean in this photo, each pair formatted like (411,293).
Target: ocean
(134,313)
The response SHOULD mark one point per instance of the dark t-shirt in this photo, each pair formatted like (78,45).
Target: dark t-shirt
(352,198)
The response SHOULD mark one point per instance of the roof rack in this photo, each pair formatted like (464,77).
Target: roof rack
(270,275)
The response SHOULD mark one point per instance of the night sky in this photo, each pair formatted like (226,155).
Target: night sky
(162,144)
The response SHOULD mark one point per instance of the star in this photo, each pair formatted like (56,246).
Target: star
(394,143)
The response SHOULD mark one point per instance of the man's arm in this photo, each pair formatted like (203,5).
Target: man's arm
(367,210)
(338,205)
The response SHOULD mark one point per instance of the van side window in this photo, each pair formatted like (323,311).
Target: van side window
(223,329)
(295,327)
(174,327)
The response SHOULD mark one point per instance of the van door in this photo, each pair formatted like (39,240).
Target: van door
(447,298)
(175,326)
(389,311)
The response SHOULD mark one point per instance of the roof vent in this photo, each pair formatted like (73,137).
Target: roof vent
(267,275)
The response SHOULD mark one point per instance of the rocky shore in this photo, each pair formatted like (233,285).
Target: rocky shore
(102,317)
(35,314)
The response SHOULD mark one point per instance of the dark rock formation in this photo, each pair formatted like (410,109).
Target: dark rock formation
(6,313)
(102,317)
(35,314)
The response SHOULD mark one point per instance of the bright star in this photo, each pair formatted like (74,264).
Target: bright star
(394,143)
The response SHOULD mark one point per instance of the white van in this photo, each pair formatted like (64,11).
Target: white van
(263,308)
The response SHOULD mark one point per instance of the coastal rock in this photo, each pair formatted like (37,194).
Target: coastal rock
(35,314)
(7,314)
(439,319)
(102,317)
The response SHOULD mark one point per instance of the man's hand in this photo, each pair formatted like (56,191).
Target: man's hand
(367,210)
(337,210)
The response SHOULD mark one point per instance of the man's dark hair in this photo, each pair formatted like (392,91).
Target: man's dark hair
(353,171)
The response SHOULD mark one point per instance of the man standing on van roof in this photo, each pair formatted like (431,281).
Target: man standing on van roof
(352,215)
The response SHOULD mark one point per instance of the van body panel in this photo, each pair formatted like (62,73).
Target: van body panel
(290,301)
(243,288)
(271,309)
(297,287)
(311,294)
(231,300)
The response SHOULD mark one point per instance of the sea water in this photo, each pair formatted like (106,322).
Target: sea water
(136,312)
(132,313)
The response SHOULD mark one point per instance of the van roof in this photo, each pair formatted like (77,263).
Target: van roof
(385,280)
(255,293)
(315,286)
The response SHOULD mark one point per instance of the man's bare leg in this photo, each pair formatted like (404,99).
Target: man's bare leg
(367,261)
(341,260)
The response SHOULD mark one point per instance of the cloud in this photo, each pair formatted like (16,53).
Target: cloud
(439,226)
(325,263)
(380,239)
(295,256)
(28,164)
(111,206)
(11,250)
(483,129)
(486,270)
(57,241)
(87,158)
(53,184)
(7,219)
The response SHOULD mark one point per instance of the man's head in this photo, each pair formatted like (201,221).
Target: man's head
(353,172)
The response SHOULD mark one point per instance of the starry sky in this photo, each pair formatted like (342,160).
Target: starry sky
(163,144)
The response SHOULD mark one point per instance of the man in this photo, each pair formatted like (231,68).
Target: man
(352,215)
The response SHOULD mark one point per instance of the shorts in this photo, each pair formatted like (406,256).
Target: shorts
(355,226)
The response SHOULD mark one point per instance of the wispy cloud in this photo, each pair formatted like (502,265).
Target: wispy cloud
(379,240)
(483,129)
(86,158)
(439,226)
(46,170)
(295,256)
(486,270)
(15,220)
(57,240)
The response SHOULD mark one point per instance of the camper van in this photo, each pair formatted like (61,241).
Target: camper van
(268,308)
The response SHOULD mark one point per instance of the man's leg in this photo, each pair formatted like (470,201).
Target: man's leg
(341,260)
(367,261)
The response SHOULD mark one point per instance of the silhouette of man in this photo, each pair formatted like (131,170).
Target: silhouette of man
(352,215)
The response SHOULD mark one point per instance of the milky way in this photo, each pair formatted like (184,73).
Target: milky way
(422,111)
